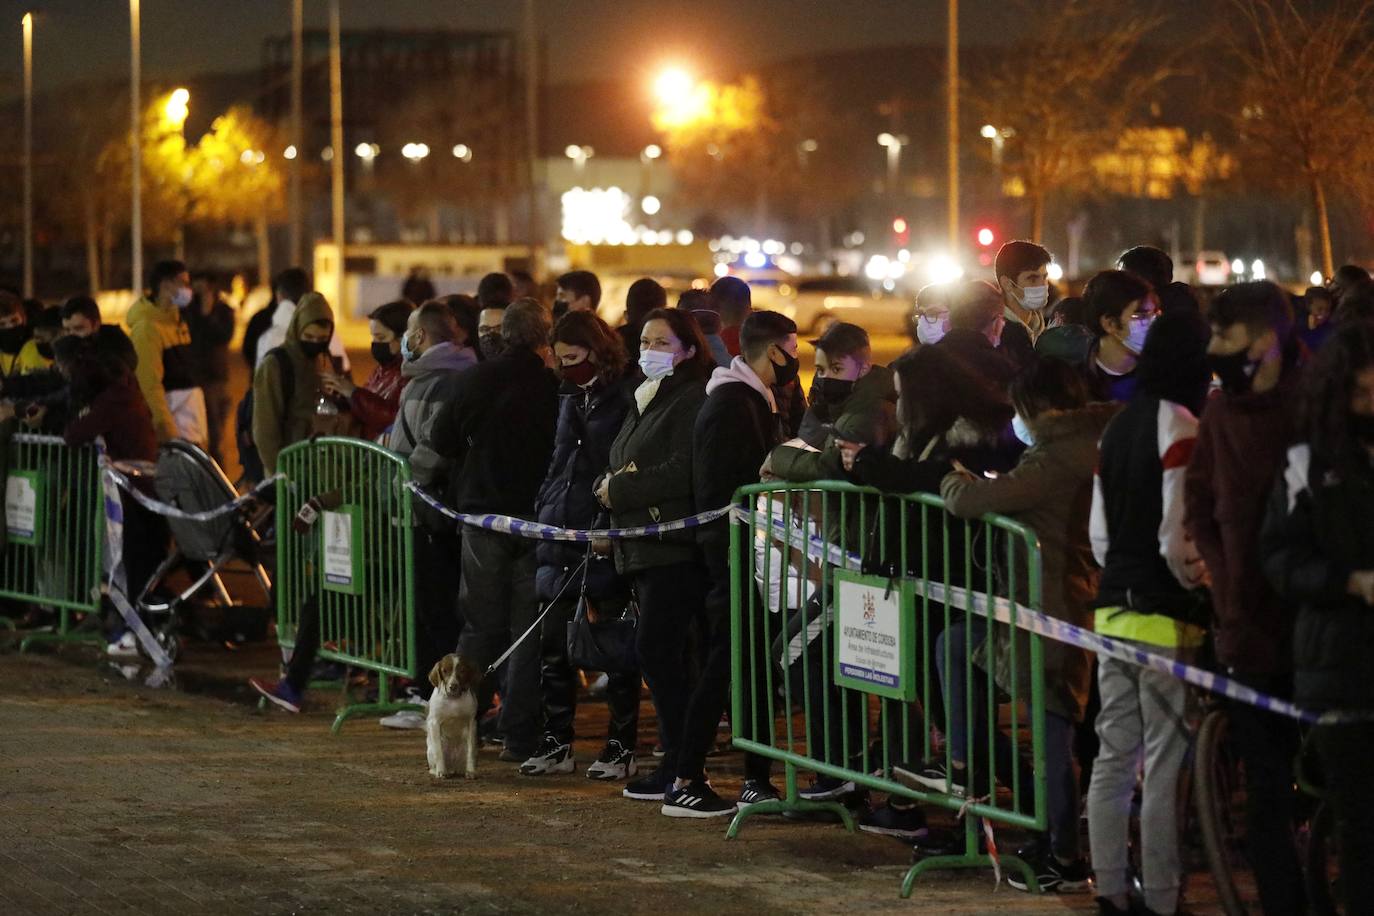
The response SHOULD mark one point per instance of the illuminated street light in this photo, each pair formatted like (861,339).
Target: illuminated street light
(673,87)
(1257,270)
(579,155)
(894,144)
(988,132)
(650,205)
(1316,279)
(1054,272)
(327,154)
(1238,267)
(289,153)
(652,151)
(177,107)
(415,151)
(462,152)
(366,151)
(809,146)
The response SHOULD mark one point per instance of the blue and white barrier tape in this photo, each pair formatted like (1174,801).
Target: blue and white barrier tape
(1009,612)
(118,582)
(528,529)
(169,511)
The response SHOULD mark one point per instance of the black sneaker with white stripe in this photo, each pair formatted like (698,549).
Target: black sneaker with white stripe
(756,791)
(696,799)
(931,775)
(825,788)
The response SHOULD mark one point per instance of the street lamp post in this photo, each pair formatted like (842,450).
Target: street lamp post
(336,163)
(297,141)
(28,154)
(952,121)
(136,150)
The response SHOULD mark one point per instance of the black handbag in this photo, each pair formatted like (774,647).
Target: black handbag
(603,645)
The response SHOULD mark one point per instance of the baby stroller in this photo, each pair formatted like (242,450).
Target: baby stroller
(190,479)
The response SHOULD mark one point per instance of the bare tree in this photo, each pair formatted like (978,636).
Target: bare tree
(1305,118)
(1076,77)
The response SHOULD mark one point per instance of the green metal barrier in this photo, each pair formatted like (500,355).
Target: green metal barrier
(355,561)
(56,534)
(849,689)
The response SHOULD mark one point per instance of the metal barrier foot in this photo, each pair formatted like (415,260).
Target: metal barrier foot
(6,623)
(87,637)
(780,806)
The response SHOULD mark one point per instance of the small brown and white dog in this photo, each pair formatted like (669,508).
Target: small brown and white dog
(451,726)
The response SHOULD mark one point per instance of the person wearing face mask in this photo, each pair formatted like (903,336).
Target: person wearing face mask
(490,343)
(37,353)
(167,368)
(596,393)
(14,333)
(1022,275)
(277,420)
(578,291)
(930,317)
(287,289)
(429,354)
(1241,441)
(649,479)
(374,404)
(738,425)
(1317,553)
(1049,491)
(1122,307)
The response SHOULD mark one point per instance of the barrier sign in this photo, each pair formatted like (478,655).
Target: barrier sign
(342,538)
(875,648)
(23,496)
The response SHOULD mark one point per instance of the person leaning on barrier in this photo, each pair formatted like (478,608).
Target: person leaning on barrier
(81,318)
(977,319)
(14,333)
(1241,440)
(496,427)
(278,422)
(1049,491)
(1149,595)
(1317,551)
(650,480)
(596,394)
(846,383)
(375,403)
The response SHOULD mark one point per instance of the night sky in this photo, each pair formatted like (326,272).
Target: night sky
(83,39)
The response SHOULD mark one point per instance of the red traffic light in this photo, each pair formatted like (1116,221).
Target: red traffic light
(986,236)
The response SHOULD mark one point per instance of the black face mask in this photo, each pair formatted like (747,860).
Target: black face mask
(44,350)
(560,308)
(1362,428)
(1235,370)
(381,352)
(314,349)
(12,339)
(828,395)
(785,373)
(492,345)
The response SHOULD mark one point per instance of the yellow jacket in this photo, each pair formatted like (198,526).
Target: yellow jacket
(27,360)
(162,340)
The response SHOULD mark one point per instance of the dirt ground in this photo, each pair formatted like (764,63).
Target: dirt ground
(119,798)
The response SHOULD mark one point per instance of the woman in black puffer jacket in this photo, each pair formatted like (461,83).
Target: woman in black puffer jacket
(596,394)
(1317,545)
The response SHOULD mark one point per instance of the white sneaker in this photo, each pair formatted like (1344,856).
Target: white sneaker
(406,718)
(551,758)
(615,762)
(126,646)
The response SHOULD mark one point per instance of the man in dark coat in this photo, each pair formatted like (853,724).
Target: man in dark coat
(497,425)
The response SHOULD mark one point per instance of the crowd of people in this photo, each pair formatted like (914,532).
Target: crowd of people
(1199,475)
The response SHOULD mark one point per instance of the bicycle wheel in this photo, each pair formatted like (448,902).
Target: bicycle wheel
(1219,794)
(1322,873)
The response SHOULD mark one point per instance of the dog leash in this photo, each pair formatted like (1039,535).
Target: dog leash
(540,619)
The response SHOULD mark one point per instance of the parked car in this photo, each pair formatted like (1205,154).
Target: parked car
(815,303)
(1212,269)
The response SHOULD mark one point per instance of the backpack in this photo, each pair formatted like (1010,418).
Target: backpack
(249,459)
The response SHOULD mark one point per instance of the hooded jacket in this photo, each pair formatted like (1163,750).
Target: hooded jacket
(166,360)
(871,408)
(1239,453)
(277,424)
(1050,491)
(418,403)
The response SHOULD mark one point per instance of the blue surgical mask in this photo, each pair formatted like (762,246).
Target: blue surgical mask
(1135,336)
(655,364)
(930,330)
(182,297)
(1022,431)
(407,354)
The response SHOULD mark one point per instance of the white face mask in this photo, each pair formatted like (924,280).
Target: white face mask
(182,297)
(1035,297)
(930,330)
(1022,431)
(655,364)
(1135,336)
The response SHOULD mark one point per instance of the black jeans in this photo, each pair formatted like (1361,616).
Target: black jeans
(712,690)
(438,558)
(669,598)
(498,604)
(1267,744)
(1345,754)
(559,685)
